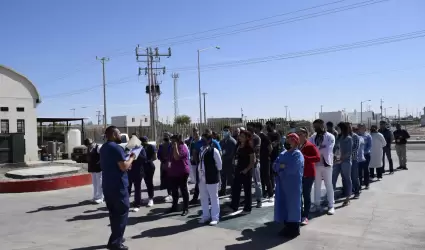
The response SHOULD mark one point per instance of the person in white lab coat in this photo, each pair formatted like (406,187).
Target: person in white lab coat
(376,153)
(208,179)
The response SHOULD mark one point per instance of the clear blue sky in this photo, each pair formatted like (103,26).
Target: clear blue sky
(55,43)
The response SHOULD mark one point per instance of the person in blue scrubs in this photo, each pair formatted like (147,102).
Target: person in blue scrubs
(289,168)
(115,185)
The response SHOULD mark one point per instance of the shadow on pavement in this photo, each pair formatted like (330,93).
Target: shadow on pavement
(88,217)
(61,207)
(152,215)
(90,248)
(265,237)
(170,230)
(96,210)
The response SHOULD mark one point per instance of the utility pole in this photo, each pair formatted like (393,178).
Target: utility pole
(103,60)
(175,77)
(286,113)
(73,111)
(399,113)
(98,115)
(242,114)
(321,109)
(153,87)
(382,101)
(205,109)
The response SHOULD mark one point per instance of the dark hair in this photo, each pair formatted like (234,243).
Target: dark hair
(344,128)
(208,131)
(271,124)
(373,128)
(330,124)
(319,121)
(349,127)
(177,137)
(248,136)
(250,124)
(226,127)
(109,131)
(382,122)
(258,125)
(207,136)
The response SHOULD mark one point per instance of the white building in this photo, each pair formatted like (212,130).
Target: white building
(334,117)
(130,121)
(18,101)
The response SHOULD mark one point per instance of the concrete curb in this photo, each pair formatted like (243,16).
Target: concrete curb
(48,184)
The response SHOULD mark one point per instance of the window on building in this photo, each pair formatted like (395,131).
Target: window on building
(146,119)
(133,119)
(20,109)
(4,126)
(20,123)
(4,109)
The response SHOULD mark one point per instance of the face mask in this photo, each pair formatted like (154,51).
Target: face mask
(166,139)
(226,134)
(269,129)
(317,129)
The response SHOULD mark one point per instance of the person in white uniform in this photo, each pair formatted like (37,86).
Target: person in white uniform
(376,153)
(208,178)
(325,142)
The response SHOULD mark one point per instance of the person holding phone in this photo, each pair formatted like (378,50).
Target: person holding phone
(115,185)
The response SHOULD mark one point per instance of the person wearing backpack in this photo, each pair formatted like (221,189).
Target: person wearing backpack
(93,160)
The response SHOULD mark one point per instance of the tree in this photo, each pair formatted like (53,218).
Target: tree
(182,120)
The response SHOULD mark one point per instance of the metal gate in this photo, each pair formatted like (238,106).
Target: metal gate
(4,148)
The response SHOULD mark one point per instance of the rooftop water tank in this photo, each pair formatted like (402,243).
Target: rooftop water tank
(72,140)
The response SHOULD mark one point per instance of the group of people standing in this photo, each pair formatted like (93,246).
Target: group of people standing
(281,171)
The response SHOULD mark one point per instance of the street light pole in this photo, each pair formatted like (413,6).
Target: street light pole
(361,110)
(199,80)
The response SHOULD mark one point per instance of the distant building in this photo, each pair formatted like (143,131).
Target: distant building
(18,102)
(130,121)
(334,117)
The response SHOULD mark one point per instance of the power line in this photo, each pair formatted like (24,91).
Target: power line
(237,63)
(312,52)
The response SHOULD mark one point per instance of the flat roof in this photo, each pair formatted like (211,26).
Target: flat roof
(60,119)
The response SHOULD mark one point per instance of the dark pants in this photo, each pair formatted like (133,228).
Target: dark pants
(355,177)
(272,175)
(149,173)
(165,182)
(379,172)
(387,151)
(196,192)
(118,215)
(265,177)
(306,201)
(292,229)
(180,183)
(242,180)
(135,178)
(364,171)
(226,177)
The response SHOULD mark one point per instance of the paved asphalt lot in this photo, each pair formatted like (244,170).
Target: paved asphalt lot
(391,215)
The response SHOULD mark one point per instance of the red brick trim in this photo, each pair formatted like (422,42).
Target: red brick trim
(39,185)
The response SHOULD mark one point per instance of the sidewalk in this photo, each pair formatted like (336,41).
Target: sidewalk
(391,215)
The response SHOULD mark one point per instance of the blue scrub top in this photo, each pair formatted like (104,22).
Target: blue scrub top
(199,144)
(114,181)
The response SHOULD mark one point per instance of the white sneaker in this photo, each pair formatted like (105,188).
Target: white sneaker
(168,198)
(331,211)
(213,223)
(98,201)
(135,209)
(150,203)
(271,199)
(203,221)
